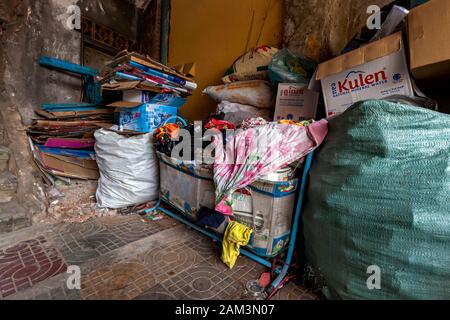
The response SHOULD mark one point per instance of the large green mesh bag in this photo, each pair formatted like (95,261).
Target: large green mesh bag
(379,194)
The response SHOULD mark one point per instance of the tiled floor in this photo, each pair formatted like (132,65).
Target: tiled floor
(123,258)
(26,264)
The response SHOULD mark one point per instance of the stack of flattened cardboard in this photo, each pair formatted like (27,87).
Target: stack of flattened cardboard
(152,93)
(63,142)
(130,71)
(75,111)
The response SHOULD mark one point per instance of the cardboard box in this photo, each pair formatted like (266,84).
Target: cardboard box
(429,45)
(67,166)
(374,71)
(295,102)
(135,98)
(146,117)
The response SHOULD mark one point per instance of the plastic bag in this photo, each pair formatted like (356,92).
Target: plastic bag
(236,112)
(253,65)
(128,169)
(287,68)
(379,195)
(255,93)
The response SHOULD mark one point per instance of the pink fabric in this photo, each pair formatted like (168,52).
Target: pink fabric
(256,152)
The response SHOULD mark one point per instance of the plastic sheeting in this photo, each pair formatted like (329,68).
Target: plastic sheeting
(236,113)
(379,197)
(128,167)
(285,67)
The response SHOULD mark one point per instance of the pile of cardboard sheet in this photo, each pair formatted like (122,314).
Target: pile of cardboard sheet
(75,111)
(63,142)
(151,93)
(132,71)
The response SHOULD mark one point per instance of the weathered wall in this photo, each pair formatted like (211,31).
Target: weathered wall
(35,28)
(31,29)
(320,29)
(150,26)
(213,33)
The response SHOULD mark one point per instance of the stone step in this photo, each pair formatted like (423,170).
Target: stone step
(8,186)
(13,217)
(3,140)
(4,158)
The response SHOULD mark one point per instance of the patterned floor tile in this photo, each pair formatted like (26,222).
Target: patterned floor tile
(156,293)
(80,242)
(27,264)
(203,245)
(167,222)
(58,293)
(78,230)
(130,228)
(121,281)
(128,257)
(81,250)
(203,282)
(172,259)
(295,292)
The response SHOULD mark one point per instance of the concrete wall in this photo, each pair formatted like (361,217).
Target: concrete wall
(214,33)
(31,29)
(35,28)
(150,26)
(320,29)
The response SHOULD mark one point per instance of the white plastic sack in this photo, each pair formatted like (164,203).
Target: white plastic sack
(128,167)
(253,65)
(236,112)
(255,93)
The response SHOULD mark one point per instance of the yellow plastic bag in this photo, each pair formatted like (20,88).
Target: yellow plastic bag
(236,235)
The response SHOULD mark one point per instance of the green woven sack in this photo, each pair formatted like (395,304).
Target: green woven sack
(379,195)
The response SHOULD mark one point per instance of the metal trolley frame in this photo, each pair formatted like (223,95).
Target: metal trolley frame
(281,271)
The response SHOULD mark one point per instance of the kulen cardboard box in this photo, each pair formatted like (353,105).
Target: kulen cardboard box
(374,71)
(429,40)
(295,102)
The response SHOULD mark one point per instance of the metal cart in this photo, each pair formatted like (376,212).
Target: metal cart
(280,271)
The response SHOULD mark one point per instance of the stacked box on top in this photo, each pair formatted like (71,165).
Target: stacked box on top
(152,93)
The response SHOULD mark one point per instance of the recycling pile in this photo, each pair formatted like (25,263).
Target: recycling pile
(246,92)
(146,96)
(133,71)
(62,140)
(247,97)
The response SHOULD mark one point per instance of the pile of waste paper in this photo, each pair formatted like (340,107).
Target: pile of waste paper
(62,140)
(148,94)
(132,71)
